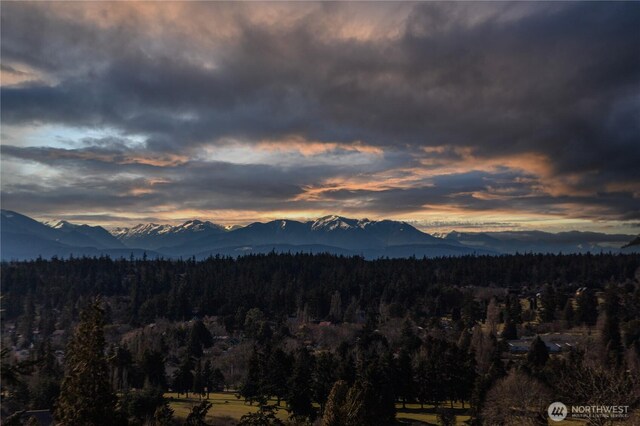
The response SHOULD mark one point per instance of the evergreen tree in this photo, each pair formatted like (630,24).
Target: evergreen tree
(335,409)
(253,322)
(324,376)
(335,311)
(471,311)
(461,374)
(446,417)
(632,334)
(251,388)
(183,377)
(587,312)
(217,380)
(404,377)
(346,364)
(538,353)
(207,376)
(198,379)
(610,334)
(138,405)
(548,301)
(436,370)
(377,384)
(264,417)
(514,309)
(422,380)
(363,407)
(86,396)
(300,391)
(121,362)
(44,388)
(199,337)
(277,374)
(409,341)
(213,378)
(152,367)
(385,384)
(25,325)
(198,414)
(163,416)
(510,331)
(568,314)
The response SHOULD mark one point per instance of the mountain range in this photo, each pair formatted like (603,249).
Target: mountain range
(25,238)
(632,243)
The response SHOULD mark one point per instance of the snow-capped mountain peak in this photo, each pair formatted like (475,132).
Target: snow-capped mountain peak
(196,226)
(333,222)
(153,235)
(24,237)
(59,224)
(363,223)
(151,228)
(192,224)
(142,229)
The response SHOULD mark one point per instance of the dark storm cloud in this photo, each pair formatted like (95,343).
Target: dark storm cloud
(500,79)
(481,191)
(106,178)
(218,186)
(426,198)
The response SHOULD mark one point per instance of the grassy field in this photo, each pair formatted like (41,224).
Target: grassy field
(227,408)
(415,414)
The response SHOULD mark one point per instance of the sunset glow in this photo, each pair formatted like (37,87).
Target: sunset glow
(445,115)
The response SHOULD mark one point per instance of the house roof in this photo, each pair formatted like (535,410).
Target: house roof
(43,417)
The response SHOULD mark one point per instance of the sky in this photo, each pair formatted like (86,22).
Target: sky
(448,115)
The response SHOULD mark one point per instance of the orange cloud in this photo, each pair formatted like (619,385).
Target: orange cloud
(166,160)
(162,160)
(310,148)
(148,187)
(207,24)
(14,74)
(539,176)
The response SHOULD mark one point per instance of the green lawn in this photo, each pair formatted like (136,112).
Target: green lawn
(227,409)
(227,406)
(415,414)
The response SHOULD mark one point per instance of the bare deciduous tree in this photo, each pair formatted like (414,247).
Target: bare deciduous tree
(493,315)
(518,399)
(591,384)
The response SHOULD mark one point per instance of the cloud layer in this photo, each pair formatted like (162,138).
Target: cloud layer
(518,110)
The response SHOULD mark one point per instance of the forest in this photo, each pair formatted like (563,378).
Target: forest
(303,339)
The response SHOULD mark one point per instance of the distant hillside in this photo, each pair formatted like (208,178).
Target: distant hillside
(25,238)
(510,242)
(633,243)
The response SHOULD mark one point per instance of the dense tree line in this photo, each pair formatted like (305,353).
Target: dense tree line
(446,347)
(323,286)
(430,372)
